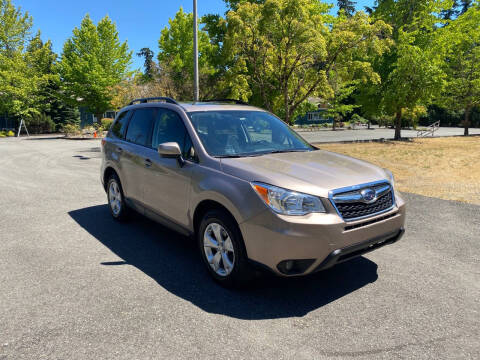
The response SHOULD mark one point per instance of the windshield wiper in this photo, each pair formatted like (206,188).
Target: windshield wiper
(261,153)
(285,151)
(228,156)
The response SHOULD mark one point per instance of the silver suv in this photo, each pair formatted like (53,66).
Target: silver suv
(248,188)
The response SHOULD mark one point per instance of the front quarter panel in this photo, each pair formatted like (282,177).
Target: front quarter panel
(233,193)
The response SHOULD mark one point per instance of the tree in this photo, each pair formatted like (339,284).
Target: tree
(282,51)
(149,66)
(40,57)
(347,6)
(18,81)
(92,62)
(458,8)
(341,91)
(18,86)
(233,4)
(461,43)
(411,71)
(135,87)
(15,27)
(176,55)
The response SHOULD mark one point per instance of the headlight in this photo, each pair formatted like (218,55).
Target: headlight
(288,202)
(390,175)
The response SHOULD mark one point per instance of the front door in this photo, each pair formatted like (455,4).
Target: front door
(167,184)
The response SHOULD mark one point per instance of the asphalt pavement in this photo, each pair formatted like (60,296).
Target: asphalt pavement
(375,133)
(77,285)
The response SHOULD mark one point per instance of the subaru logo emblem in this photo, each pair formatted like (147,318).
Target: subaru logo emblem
(368,195)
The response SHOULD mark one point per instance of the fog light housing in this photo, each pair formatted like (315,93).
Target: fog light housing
(294,267)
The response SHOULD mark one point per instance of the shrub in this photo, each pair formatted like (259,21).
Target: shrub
(40,124)
(71,129)
(106,123)
(3,134)
(89,130)
(358,119)
(10,133)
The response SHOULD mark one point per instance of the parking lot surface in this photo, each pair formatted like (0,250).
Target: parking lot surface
(374,133)
(77,285)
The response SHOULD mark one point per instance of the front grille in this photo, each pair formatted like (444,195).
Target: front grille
(351,205)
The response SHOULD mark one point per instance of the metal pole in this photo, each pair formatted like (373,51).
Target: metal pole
(195,50)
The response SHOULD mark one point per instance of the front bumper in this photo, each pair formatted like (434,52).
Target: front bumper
(324,239)
(350,252)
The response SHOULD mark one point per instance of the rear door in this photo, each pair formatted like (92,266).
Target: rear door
(134,152)
(167,184)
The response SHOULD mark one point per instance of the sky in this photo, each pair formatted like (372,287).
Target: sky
(139,22)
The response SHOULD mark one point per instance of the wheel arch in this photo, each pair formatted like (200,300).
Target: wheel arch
(109,171)
(206,205)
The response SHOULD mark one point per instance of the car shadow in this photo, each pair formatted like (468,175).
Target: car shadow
(172,260)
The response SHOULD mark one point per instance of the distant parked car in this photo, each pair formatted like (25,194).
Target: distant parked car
(249,189)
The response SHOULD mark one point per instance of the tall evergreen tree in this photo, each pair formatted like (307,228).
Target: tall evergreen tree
(347,6)
(148,65)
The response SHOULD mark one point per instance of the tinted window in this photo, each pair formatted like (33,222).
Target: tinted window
(245,133)
(118,129)
(139,128)
(169,127)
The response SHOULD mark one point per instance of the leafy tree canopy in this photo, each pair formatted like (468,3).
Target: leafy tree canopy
(176,54)
(15,27)
(93,61)
(284,50)
(460,41)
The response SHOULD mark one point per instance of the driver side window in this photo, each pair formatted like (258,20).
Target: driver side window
(169,127)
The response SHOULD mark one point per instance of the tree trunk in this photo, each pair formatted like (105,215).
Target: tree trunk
(99,117)
(466,120)
(334,127)
(368,125)
(398,124)
(287,107)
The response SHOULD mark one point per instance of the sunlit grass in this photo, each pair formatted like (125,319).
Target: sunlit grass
(447,168)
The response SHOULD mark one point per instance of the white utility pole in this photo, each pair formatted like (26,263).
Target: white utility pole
(195,50)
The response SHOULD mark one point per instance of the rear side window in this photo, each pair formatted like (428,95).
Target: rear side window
(118,129)
(140,126)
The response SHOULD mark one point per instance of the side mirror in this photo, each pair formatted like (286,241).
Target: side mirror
(171,150)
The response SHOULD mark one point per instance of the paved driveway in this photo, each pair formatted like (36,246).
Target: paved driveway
(76,285)
(373,134)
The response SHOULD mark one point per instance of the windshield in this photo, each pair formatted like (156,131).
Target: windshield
(245,133)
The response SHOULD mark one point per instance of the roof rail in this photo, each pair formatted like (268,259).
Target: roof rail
(239,102)
(146,100)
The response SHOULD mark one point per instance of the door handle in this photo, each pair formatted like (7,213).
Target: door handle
(119,149)
(148,162)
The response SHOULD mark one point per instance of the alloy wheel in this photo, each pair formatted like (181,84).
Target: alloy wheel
(218,248)
(115,197)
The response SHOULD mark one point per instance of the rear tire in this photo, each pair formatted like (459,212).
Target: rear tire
(116,200)
(222,249)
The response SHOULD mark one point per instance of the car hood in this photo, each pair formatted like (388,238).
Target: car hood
(314,172)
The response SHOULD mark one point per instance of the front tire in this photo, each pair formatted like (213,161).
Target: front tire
(221,247)
(116,200)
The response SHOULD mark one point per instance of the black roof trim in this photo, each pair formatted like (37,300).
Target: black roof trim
(161,98)
(239,102)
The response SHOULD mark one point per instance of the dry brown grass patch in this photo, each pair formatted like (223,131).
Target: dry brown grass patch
(447,168)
